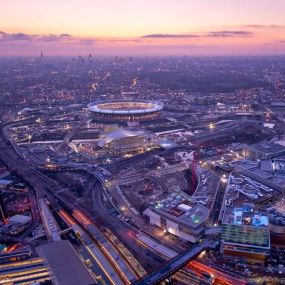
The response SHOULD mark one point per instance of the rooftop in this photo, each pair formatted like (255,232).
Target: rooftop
(65,264)
(20,219)
(245,225)
(267,147)
(271,172)
(180,207)
(167,144)
(117,135)
(245,216)
(5,182)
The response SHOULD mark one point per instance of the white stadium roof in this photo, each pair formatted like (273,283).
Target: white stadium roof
(119,134)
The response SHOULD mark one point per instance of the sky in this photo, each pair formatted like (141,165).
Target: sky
(142,27)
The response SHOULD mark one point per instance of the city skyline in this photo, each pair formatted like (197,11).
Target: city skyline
(142,28)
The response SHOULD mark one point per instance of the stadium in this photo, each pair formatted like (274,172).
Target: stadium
(125,110)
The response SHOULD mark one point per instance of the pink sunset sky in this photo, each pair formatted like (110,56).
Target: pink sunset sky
(142,27)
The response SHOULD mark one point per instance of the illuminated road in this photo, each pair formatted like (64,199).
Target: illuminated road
(23,272)
(123,230)
(222,277)
(107,248)
(103,216)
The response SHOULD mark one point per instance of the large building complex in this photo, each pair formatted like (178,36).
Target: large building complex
(117,111)
(277,222)
(263,150)
(127,141)
(268,172)
(245,234)
(179,215)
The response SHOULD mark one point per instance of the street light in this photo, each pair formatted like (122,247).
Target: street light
(29,138)
(224,178)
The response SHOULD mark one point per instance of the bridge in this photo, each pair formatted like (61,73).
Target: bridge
(173,265)
(50,225)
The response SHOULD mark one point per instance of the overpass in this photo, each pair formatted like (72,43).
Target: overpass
(173,265)
(50,225)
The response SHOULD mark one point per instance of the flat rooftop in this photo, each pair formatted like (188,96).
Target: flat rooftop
(245,216)
(270,170)
(65,264)
(267,147)
(242,188)
(179,207)
(243,225)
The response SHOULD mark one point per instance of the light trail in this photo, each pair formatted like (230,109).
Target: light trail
(119,270)
(67,219)
(17,279)
(21,263)
(23,272)
(81,217)
(217,274)
(128,256)
(100,265)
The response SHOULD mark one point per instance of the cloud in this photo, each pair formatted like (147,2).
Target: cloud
(265,26)
(65,36)
(176,47)
(20,43)
(85,42)
(48,38)
(13,37)
(217,34)
(169,36)
(229,34)
(134,40)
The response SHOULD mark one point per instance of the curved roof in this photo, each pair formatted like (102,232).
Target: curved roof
(119,134)
(125,107)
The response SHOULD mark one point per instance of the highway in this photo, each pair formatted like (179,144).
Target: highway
(123,230)
(37,179)
(106,247)
(103,216)
(45,186)
(100,266)
(222,277)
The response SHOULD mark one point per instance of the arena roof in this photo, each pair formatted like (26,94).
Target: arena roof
(119,134)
